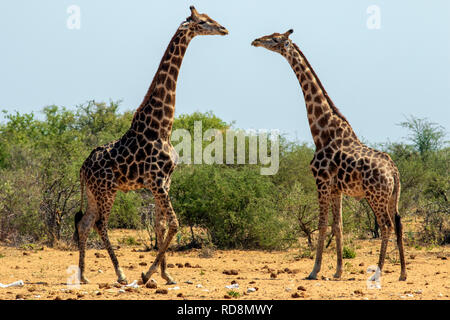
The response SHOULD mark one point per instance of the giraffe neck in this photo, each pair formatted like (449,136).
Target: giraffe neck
(155,115)
(326,122)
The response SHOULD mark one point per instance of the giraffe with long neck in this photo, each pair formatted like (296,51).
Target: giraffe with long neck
(342,164)
(143,157)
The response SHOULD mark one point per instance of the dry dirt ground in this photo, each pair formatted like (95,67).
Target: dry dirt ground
(272,275)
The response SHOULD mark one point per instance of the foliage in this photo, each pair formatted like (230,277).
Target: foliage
(234,204)
(348,253)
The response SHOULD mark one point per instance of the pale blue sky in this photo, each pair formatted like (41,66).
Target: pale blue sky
(375,77)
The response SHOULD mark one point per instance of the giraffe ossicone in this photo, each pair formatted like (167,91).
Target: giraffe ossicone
(143,157)
(342,164)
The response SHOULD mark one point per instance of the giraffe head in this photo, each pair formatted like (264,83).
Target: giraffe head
(278,42)
(202,24)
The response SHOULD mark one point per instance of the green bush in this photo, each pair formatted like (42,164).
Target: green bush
(348,253)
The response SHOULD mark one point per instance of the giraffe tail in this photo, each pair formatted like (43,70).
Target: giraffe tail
(79,214)
(395,200)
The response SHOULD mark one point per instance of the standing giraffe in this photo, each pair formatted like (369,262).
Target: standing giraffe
(143,157)
(342,164)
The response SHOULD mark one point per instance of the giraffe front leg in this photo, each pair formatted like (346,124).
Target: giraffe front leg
(163,244)
(337,231)
(323,223)
(160,228)
(103,232)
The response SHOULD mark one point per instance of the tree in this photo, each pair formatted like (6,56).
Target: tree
(426,136)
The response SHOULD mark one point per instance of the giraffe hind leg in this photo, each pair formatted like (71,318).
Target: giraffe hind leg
(83,228)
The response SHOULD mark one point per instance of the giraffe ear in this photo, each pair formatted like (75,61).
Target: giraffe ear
(289,32)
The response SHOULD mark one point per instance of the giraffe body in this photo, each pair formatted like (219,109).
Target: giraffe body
(143,157)
(342,164)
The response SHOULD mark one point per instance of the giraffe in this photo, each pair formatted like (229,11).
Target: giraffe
(142,158)
(342,164)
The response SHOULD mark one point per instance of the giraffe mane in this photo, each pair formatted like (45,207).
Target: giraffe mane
(330,102)
(153,83)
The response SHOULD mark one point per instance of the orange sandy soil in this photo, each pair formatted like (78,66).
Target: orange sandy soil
(275,275)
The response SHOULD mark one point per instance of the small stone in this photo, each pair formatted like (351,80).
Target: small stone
(199,286)
(180,295)
(188,282)
(151,284)
(98,293)
(57,298)
(187,265)
(295,295)
(142,263)
(226,297)
(361,264)
(288,289)
(250,290)
(231,272)
(418,292)
(121,291)
(412,256)
(104,286)
(359,292)
(141,256)
(26,254)
(100,271)
(20,296)
(273,275)
(161,291)
(170,265)
(301,288)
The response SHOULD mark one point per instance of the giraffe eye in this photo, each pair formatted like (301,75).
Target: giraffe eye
(202,22)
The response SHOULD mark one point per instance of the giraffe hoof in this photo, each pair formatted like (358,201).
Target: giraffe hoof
(84,280)
(169,282)
(402,277)
(122,281)
(337,276)
(144,278)
(311,277)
